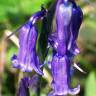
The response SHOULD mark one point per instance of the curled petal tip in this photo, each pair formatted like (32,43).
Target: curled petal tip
(24,67)
(60,94)
(39,71)
(14,61)
(30,68)
(74,91)
(76,51)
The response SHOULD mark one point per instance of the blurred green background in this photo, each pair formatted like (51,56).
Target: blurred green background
(14,13)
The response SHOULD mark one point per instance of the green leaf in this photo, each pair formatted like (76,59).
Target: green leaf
(90,86)
(7,6)
(31,6)
(19,7)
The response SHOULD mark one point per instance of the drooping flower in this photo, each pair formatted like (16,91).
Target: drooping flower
(27,58)
(68,21)
(23,89)
(26,84)
(63,41)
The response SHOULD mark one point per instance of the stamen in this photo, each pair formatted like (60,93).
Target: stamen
(77,67)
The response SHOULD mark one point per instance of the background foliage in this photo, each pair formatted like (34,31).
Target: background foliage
(14,13)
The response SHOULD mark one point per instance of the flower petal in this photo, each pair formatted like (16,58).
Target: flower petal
(60,76)
(23,87)
(27,58)
(77,17)
(74,91)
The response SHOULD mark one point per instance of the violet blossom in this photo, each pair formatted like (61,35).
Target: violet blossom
(23,89)
(68,20)
(27,58)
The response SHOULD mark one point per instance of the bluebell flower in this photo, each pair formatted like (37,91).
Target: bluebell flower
(68,18)
(27,58)
(68,21)
(23,89)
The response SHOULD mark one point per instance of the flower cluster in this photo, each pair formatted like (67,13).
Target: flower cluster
(68,18)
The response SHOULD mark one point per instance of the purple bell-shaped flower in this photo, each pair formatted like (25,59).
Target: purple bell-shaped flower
(27,58)
(68,22)
(23,89)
